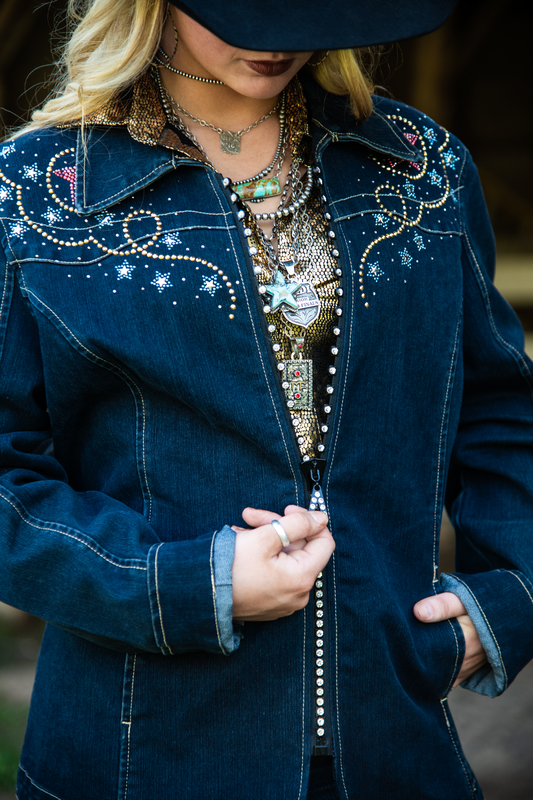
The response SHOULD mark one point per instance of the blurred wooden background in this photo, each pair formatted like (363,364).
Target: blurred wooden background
(474,76)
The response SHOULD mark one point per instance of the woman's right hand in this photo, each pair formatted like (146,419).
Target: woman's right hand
(270,581)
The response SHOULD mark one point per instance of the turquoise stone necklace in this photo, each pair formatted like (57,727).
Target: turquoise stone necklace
(261,186)
(258,190)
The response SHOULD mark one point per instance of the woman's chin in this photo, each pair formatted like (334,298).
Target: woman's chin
(254,85)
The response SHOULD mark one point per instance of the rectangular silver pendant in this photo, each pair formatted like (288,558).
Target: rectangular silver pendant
(230,142)
(299,393)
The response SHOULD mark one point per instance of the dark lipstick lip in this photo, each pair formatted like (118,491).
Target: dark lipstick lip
(270,67)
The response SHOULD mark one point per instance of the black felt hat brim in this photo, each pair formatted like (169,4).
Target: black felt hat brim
(291,25)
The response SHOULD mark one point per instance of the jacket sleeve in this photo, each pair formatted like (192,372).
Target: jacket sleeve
(490,484)
(83,560)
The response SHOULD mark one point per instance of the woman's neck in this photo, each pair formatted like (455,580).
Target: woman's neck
(219,105)
(223,108)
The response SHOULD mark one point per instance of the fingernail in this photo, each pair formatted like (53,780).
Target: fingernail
(425,611)
(319,517)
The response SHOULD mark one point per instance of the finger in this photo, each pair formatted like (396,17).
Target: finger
(442,606)
(255,517)
(316,553)
(299,543)
(475,656)
(298,526)
(291,509)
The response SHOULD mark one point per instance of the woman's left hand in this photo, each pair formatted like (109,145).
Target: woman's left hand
(446,606)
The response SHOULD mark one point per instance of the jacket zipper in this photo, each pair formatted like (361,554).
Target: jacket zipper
(322,740)
(313,471)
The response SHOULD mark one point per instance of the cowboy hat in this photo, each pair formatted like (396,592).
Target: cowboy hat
(292,25)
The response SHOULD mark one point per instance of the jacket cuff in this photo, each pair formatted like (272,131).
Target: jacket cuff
(182,593)
(489,680)
(223,563)
(500,604)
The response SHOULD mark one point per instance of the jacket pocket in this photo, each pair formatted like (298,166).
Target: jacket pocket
(440,650)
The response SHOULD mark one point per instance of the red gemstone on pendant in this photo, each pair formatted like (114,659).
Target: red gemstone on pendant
(300,346)
(297,396)
(297,373)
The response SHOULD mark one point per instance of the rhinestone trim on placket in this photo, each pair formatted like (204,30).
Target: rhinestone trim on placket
(320,269)
(319,660)
(297,373)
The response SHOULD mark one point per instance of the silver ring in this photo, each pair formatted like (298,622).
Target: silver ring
(280,530)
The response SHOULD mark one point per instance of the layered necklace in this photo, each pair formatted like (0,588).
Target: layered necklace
(230,141)
(283,275)
(299,284)
(251,189)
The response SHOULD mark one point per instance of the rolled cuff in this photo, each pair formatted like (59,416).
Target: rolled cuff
(183,596)
(224,553)
(490,679)
(500,605)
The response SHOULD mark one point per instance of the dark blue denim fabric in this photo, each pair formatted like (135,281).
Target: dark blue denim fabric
(118,337)
(322,784)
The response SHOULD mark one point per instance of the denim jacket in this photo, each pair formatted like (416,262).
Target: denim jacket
(119,337)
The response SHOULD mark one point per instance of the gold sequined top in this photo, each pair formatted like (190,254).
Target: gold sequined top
(142,112)
(316,266)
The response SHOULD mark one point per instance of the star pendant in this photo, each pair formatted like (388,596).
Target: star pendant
(282,292)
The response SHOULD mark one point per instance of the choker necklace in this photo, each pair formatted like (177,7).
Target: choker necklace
(230,141)
(166,64)
(168,59)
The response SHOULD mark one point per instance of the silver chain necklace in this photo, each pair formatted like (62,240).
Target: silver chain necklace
(282,143)
(299,192)
(230,141)
(300,232)
(173,116)
(167,65)
(280,150)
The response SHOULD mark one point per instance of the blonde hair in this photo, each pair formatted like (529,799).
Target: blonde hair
(112,42)
(347,72)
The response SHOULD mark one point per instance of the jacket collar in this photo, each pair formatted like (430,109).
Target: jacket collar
(129,144)
(331,115)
